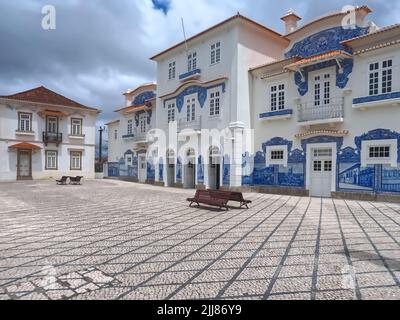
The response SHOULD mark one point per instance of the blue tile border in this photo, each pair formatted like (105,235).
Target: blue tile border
(276,113)
(381,97)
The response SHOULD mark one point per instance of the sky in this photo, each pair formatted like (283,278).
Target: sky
(101,48)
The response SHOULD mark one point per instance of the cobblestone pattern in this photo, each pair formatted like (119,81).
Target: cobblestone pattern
(117,240)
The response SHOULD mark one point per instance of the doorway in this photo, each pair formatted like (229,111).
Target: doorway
(24,165)
(190,170)
(214,169)
(170,168)
(142,168)
(321,172)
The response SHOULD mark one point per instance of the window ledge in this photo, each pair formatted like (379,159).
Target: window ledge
(377,101)
(81,137)
(276,115)
(190,75)
(25,133)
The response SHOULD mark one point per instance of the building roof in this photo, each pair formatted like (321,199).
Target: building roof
(112,122)
(133,109)
(238,16)
(271,64)
(146,85)
(46,96)
(320,58)
(372,34)
(329,15)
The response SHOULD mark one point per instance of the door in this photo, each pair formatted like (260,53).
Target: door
(24,164)
(52,125)
(142,168)
(321,172)
(190,175)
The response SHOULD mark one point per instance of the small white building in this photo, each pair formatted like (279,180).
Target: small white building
(128,138)
(44,135)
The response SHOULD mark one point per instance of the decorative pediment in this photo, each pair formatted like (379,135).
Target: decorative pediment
(143,97)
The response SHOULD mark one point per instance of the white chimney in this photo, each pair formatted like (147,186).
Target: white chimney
(291,19)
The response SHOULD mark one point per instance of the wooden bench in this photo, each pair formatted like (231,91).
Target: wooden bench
(232,196)
(75,180)
(62,181)
(210,198)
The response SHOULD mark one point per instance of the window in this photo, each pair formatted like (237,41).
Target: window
(277,155)
(322,83)
(172,70)
(322,152)
(171,112)
(76,127)
(191,110)
(25,122)
(143,123)
(52,124)
(129,160)
(130,126)
(76,160)
(215,53)
(51,160)
(318,166)
(328,166)
(277,97)
(215,103)
(381,77)
(115,134)
(192,61)
(379,152)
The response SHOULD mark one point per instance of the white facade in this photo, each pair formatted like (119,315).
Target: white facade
(314,111)
(128,138)
(41,140)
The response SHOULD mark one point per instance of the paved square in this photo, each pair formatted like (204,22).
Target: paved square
(117,240)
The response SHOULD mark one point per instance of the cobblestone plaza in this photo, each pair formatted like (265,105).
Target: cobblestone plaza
(117,240)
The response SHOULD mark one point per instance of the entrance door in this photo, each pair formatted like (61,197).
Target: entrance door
(52,124)
(214,169)
(190,174)
(321,172)
(142,168)
(24,164)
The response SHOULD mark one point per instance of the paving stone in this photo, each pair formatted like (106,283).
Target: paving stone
(132,241)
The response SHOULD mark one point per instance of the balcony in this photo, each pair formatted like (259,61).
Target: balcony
(332,112)
(194,125)
(194,74)
(51,137)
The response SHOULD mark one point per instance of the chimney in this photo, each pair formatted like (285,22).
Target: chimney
(290,20)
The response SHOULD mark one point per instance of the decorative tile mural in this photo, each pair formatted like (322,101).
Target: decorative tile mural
(200,170)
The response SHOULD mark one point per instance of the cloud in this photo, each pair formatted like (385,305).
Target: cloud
(163,5)
(101,48)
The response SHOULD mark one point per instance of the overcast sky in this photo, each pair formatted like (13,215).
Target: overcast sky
(100,48)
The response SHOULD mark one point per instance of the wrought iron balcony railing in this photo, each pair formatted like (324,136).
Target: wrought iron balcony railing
(51,137)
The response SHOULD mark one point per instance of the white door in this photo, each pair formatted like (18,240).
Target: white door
(24,164)
(142,168)
(321,172)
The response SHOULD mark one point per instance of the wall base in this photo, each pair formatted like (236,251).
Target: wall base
(366,197)
(159,183)
(128,179)
(200,186)
(298,192)
(178,185)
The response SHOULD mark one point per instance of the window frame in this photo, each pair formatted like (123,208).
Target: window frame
(215,53)
(171,112)
(172,70)
(192,61)
(214,104)
(276,103)
(271,149)
(378,84)
(80,127)
(30,121)
(47,162)
(393,154)
(129,127)
(71,160)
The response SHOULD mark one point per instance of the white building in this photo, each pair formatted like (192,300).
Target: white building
(322,102)
(44,135)
(326,115)
(128,138)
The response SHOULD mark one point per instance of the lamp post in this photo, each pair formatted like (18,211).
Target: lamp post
(101,130)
